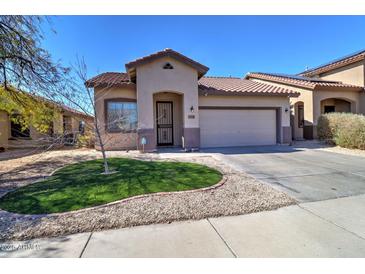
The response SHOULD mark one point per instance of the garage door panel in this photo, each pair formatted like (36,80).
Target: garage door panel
(220,128)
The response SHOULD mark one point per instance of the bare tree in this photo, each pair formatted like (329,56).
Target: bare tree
(78,95)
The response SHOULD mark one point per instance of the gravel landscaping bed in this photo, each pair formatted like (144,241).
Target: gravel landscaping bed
(239,194)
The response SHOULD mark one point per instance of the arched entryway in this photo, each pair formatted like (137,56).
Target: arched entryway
(298,121)
(337,105)
(168,118)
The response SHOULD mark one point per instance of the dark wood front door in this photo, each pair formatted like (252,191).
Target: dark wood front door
(164,122)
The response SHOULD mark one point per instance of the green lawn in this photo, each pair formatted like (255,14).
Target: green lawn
(82,185)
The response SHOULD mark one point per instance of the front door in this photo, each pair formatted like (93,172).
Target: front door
(164,122)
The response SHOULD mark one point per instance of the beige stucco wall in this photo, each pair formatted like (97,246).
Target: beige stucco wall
(113,141)
(306,96)
(4,129)
(152,78)
(250,101)
(362,102)
(176,100)
(351,74)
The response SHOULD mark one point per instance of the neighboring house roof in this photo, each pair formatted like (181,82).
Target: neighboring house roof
(167,53)
(74,111)
(301,81)
(108,79)
(334,64)
(52,103)
(239,86)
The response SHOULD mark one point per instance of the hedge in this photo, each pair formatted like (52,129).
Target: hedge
(342,129)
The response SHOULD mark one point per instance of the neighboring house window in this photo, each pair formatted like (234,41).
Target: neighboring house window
(51,129)
(17,131)
(121,116)
(82,127)
(300,116)
(67,124)
(168,66)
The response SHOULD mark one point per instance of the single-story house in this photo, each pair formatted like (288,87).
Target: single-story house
(337,86)
(164,99)
(67,124)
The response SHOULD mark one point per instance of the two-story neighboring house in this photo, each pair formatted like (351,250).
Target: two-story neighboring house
(337,86)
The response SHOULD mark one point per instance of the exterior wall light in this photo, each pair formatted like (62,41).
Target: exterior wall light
(192,109)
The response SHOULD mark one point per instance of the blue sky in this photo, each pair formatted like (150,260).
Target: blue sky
(228,45)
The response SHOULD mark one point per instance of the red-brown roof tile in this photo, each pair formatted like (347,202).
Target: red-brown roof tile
(238,86)
(301,81)
(337,63)
(109,79)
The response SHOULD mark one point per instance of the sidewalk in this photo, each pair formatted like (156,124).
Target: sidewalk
(332,228)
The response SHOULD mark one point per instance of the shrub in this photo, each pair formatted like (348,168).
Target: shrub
(342,129)
(86,140)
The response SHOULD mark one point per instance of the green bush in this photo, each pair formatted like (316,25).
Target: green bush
(342,129)
(86,140)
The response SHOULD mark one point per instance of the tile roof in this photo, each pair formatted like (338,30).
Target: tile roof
(239,86)
(209,85)
(108,79)
(301,81)
(337,63)
(168,53)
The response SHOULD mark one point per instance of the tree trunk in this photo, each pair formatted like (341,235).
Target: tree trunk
(101,144)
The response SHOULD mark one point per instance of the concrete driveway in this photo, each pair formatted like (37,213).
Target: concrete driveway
(307,174)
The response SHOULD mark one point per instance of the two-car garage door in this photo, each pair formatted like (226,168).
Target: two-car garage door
(237,127)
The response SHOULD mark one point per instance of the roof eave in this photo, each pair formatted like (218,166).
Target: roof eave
(131,66)
(336,88)
(213,91)
(333,66)
(288,83)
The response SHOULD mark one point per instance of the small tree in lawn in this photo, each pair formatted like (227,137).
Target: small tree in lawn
(78,95)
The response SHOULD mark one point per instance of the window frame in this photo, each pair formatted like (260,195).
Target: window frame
(117,100)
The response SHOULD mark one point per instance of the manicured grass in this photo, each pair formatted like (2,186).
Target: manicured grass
(82,185)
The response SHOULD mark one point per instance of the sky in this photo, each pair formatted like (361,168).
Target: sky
(228,45)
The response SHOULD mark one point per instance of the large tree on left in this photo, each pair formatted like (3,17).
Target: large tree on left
(26,66)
